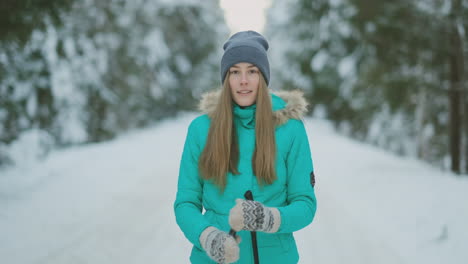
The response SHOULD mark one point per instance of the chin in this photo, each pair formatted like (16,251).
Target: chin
(245,103)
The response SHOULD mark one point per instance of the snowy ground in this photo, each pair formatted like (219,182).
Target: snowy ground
(112,203)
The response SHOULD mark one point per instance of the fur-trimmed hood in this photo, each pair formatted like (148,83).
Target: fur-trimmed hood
(286,105)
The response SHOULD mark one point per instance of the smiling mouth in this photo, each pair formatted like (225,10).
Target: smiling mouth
(244,92)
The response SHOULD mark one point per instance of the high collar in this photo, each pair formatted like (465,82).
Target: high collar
(245,115)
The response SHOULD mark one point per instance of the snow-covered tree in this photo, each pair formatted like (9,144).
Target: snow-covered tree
(381,70)
(313,49)
(107,67)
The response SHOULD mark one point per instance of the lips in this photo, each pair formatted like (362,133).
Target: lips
(244,92)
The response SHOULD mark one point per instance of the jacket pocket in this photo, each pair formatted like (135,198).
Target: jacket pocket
(279,241)
(287,240)
(283,241)
(268,240)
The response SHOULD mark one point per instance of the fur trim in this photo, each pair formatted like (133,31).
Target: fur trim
(296,105)
(209,101)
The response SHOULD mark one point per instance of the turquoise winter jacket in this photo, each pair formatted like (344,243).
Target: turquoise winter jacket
(292,192)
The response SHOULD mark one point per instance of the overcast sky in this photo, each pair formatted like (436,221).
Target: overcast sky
(245,14)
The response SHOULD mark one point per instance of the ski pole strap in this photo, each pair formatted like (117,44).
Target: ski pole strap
(232,233)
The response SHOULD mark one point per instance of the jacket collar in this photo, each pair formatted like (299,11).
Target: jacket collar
(286,105)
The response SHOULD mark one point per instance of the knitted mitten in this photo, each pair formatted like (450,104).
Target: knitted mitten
(219,245)
(254,216)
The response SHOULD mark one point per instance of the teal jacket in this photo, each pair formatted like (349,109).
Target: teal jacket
(292,192)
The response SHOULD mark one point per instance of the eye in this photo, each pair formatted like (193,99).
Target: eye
(253,71)
(233,72)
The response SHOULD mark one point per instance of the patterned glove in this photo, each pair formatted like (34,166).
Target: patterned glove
(219,246)
(254,216)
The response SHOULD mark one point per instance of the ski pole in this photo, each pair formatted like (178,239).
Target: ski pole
(249,196)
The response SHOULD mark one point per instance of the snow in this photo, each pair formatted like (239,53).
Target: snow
(30,146)
(155,38)
(319,60)
(347,66)
(112,203)
(183,64)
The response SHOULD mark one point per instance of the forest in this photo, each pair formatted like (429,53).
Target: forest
(389,73)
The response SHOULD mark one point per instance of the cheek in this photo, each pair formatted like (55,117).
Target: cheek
(232,84)
(257,86)
(231,88)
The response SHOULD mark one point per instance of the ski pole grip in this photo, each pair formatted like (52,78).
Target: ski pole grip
(248,195)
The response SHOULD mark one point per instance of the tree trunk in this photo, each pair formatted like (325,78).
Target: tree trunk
(455,92)
(421,119)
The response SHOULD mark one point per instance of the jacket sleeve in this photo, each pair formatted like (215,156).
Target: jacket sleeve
(301,200)
(188,203)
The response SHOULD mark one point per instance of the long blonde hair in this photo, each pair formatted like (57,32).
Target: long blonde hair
(221,152)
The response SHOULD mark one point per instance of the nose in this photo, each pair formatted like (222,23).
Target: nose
(244,78)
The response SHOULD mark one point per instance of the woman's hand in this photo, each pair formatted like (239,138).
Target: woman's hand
(219,245)
(254,216)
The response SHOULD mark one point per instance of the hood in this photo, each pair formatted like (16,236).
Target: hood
(286,105)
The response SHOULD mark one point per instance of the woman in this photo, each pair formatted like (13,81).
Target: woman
(249,139)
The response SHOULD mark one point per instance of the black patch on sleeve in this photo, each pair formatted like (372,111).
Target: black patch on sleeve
(312,179)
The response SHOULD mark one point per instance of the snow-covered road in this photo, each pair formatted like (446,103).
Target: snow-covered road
(112,203)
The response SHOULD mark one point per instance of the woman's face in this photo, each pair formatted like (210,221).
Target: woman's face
(244,79)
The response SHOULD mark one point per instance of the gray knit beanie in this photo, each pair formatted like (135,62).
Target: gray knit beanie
(246,46)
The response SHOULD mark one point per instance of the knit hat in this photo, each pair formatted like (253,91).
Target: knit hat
(246,46)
